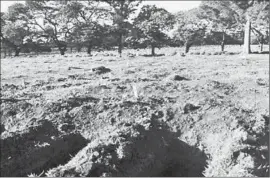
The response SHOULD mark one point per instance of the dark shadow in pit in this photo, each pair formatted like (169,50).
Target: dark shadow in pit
(183,160)
(170,157)
(39,149)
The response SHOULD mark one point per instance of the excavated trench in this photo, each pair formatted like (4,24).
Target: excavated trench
(144,148)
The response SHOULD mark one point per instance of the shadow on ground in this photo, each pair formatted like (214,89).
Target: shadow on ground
(184,160)
(263,52)
(150,55)
(42,147)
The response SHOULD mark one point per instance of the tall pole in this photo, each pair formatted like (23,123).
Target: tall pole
(246,47)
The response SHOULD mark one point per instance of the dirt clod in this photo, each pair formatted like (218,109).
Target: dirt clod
(101,70)
(61,79)
(179,78)
(66,127)
(261,82)
(190,107)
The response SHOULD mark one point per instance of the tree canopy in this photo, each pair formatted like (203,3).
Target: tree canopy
(153,22)
(15,27)
(120,13)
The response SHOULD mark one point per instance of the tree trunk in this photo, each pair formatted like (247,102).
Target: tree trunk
(62,51)
(223,42)
(246,47)
(62,46)
(261,47)
(79,49)
(89,49)
(268,36)
(120,44)
(5,53)
(71,49)
(17,51)
(222,46)
(261,44)
(153,50)
(187,46)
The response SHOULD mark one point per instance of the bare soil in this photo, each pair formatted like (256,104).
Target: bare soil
(169,115)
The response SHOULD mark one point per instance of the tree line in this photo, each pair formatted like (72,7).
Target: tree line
(106,23)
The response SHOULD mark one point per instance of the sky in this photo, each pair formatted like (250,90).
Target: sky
(171,6)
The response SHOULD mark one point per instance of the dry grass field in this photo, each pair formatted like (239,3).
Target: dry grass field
(202,114)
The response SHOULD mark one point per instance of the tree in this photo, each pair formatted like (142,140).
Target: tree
(90,36)
(55,24)
(153,23)
(109,40)
(223,16)
(256,15)
(3,23)
(15,28)
(3,19)
(189,28)
(88,16)
(259,16)
(121,12)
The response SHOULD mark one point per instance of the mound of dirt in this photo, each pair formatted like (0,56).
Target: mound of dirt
(37,149)
(190,107)
(144,148)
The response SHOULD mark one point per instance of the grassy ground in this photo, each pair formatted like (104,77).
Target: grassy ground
(216,104)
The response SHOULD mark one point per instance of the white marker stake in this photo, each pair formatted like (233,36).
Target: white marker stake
(135,91)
